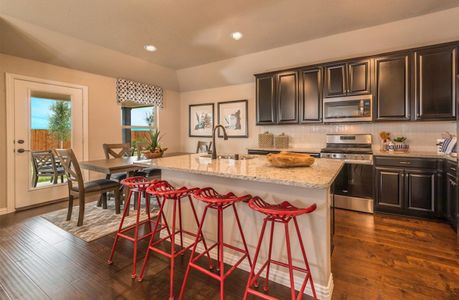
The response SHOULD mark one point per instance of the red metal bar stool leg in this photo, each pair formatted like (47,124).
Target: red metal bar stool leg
(309,277)
(136,235)
(193,252)
(252,275)
(120,227)
(265,286)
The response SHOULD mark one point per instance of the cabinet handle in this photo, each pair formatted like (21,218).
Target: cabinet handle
(405,163)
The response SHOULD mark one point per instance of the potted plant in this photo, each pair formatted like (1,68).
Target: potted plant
(153,148)
(400,145)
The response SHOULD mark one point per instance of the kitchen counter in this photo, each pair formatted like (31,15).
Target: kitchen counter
(415,154)
(300,186)
(291,149)
(318,176)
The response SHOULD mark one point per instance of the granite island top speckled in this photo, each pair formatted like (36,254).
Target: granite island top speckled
(318,176)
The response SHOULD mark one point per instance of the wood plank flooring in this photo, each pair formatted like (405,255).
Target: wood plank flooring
(380,257)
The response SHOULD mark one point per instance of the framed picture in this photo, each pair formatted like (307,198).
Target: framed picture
(201,120)
(233,116)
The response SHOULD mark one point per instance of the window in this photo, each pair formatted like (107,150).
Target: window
(137,121)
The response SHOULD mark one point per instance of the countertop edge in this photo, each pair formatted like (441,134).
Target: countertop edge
(257,179)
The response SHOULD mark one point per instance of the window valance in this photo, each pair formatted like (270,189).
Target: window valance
(130,92)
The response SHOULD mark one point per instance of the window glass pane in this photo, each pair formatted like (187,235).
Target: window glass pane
(143,116)
(50,128)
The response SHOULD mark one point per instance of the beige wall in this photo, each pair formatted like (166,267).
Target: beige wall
(427,29)
(421,135)
(104,113)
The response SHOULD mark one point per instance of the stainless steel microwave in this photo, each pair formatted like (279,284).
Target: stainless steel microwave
(348,109)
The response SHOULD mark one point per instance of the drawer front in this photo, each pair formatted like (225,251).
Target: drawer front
(407,162)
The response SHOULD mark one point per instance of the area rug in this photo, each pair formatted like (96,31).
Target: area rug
(98,222)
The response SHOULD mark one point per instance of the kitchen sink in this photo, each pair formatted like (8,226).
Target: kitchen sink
(230,156)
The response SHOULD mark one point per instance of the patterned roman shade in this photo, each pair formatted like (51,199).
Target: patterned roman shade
(132,93)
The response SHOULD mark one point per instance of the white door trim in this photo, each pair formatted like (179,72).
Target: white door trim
(10,134)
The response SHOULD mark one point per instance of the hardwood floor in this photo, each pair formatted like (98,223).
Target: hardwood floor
(389,257)
(381,257)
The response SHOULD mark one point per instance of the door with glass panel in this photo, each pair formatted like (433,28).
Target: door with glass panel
(46,117)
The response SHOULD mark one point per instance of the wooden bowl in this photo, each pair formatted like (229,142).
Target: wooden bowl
(290,160)
(151,155)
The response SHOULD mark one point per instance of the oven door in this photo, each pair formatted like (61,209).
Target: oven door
(348,109)
(354,188)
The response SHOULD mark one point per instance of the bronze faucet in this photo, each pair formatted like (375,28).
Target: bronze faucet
(225,137)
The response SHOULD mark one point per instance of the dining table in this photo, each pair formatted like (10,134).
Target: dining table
(128,165)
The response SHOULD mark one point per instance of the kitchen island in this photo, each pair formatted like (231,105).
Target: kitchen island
(300,186)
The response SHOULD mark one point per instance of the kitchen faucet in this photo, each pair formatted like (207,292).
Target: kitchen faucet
(225,137)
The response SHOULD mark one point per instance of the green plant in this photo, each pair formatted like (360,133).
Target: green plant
(400,139)
(59,122)
(153,139)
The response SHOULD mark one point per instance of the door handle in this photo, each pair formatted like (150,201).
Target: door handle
(20,150)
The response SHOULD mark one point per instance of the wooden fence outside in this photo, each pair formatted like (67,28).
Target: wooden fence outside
(42,139)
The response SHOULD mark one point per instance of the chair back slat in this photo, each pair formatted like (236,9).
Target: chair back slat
(71,167)
(43,160)
(116,150)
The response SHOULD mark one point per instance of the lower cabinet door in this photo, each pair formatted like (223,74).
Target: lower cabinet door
(389,187)
(421,192)
(451,199)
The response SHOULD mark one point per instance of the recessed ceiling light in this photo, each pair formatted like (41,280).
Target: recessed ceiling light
(236,35)
(150,48)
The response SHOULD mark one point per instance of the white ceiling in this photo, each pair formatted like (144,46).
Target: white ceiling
(187,33)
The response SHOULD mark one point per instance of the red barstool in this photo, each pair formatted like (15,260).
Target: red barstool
(163,190)
(218,202)
(279,213)
(137,185)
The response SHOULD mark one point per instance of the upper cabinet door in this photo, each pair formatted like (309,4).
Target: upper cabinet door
(435,83)
(392,87)
(335,81)
(310,95)
(358,77)
(266,101)
(287,97)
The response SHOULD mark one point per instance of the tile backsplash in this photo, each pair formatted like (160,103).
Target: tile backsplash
(421,136)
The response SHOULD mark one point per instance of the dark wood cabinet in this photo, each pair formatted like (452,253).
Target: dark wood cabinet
(436,83)
(408,186)
(389,189)
(392,87)
(310,95)
(421,191)
(287,97)
(358,77)
(265,100)
(451,209)
(335,81)
(347,79)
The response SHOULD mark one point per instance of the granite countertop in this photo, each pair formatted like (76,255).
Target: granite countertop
(318,176)
(415,154)
(291,149)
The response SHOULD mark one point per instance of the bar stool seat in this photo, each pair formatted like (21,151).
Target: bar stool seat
(279,213)
(136,185)
(218,202)
(166,192)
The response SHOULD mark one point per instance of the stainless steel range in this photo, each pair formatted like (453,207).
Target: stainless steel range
(354,185)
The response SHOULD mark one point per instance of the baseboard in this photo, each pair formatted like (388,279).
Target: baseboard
(4,211)
(279,276)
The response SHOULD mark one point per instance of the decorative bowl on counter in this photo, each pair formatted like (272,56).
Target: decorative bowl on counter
(154,154)
(286,159)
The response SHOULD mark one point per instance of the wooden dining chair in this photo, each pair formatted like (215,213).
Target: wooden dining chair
(44,165)
(203,147)
(80,189)
(147,172)
(114,151)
